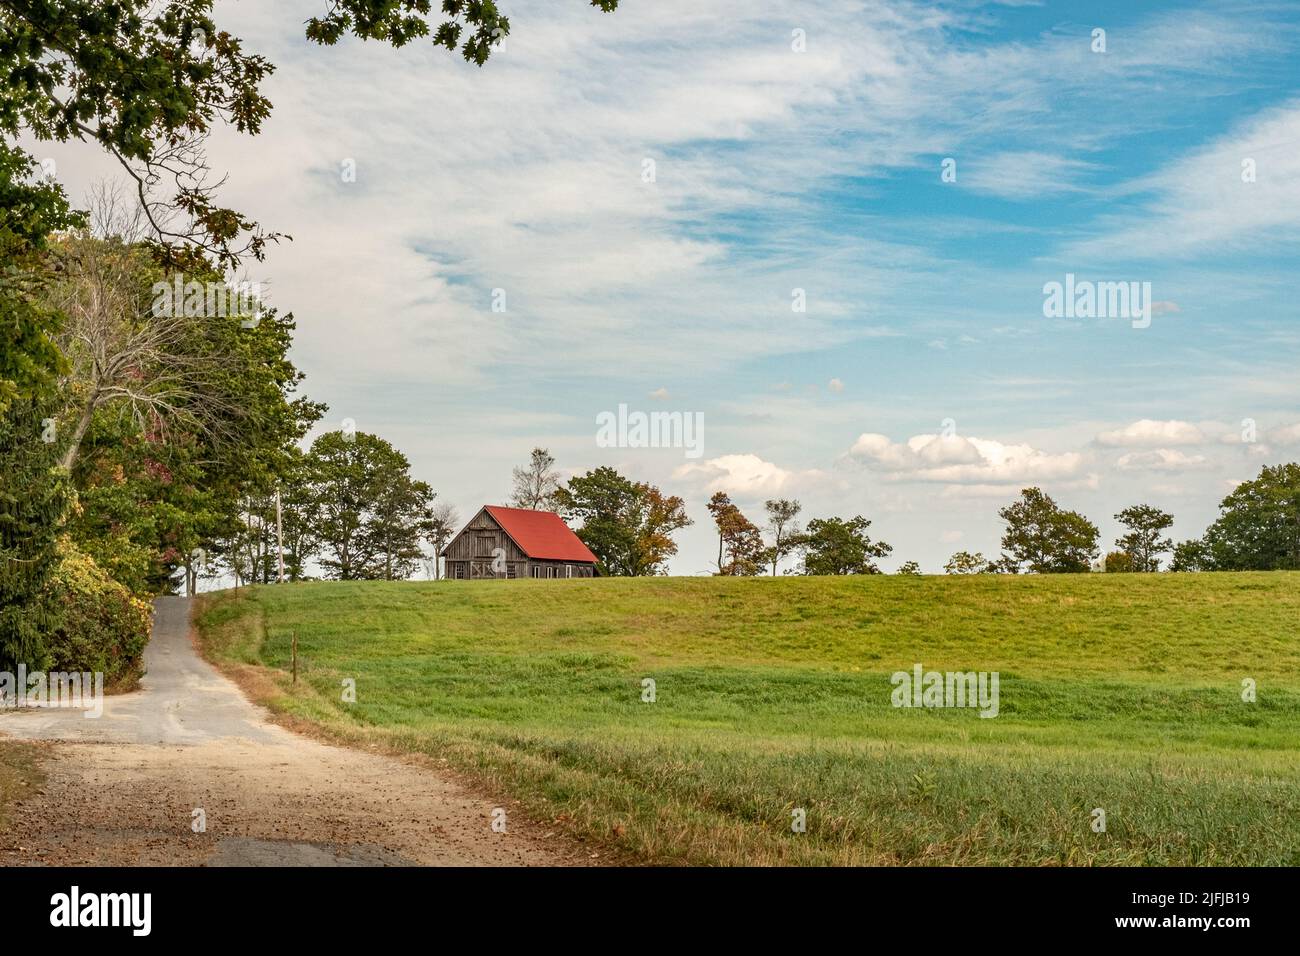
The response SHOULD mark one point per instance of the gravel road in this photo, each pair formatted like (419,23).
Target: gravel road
(124,789)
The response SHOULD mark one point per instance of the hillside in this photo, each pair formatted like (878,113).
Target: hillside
(1119,692)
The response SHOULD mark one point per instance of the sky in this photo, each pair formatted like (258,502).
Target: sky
(826,228)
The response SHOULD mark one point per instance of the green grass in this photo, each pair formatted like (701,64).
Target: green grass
(1121,692)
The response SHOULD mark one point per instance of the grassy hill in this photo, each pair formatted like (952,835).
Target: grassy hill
(1119,692)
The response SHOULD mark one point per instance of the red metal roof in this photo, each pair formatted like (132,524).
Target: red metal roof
(541,534)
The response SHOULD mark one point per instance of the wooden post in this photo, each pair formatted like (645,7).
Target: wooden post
(295,657)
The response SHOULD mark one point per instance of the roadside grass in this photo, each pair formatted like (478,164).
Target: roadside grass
(1118,692)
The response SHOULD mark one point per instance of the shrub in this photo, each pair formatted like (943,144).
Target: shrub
(101,625)
(1119,561)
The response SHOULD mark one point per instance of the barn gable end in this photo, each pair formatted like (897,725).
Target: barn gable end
(509,543)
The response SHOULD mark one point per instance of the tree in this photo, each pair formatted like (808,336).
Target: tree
(299,537)
(836,546)
(1258,528)
(909,567)
(30,213)
(148,81)
(1143,544)
(783,527)
(536,483)
(627,525)
(1046,539)
(740,544)
(368,513)
(656,518)
(178,424)
(443,523)
(400,21)
(35,495)
(1119,562)
(401,518)
(1190,555)
(963,562)
(724,516)
(158,366)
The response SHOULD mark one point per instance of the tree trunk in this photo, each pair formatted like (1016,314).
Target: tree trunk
(78,433)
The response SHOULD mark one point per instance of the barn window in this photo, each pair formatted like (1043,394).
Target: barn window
(510,571)
(568,570)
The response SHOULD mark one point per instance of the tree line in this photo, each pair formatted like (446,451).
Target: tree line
(1258,529)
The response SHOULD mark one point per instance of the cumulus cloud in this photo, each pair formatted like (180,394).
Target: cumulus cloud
(961,460)
(1149,432)
(746,475)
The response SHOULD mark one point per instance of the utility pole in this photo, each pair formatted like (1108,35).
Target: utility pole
(279,533)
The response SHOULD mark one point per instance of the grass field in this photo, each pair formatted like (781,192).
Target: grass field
(1118,692)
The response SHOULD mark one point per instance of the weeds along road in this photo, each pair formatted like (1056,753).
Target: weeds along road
(123,789)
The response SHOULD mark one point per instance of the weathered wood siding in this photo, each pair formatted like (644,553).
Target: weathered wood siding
(478,540)
(470,555)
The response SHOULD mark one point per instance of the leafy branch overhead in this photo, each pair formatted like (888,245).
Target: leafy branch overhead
(400,21)
(149,82)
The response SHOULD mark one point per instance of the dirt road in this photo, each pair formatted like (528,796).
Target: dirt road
(124,789)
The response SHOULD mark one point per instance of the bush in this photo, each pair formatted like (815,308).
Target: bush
(1119,561)
(101,626)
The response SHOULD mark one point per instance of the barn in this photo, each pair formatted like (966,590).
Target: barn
(517,543)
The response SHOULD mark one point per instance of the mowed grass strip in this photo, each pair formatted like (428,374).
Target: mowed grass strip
(1118,692)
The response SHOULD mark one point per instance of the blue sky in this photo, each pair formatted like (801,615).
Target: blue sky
(778,170)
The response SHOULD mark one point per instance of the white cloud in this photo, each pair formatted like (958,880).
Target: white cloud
(1023,175)
(744,475)
(1150,432)
(1202,203)
(1161,459)
(961,460)
(1285,435)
